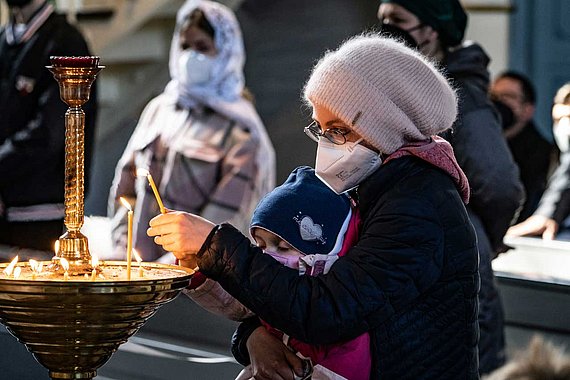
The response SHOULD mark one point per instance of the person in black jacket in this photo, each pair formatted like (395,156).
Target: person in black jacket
(438,26)
(32,125)
(532,152)
(411,279)
(552,218)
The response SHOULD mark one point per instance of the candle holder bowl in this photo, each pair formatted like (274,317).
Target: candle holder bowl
(73,327)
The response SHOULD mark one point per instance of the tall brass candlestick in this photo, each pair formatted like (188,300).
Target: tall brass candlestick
(75,75)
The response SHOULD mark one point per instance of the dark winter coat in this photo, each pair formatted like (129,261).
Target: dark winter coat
(32,124)
(496,190)
(411,280)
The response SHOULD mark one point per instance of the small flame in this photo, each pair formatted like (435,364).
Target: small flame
(64,264)
(33,265)
(10,268)
(94,261)
(56,247)
(40,267)
(138,258)
(17,272)
(142,172)
(126,204)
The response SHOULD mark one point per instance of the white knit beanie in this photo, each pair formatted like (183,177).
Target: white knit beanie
(386,92)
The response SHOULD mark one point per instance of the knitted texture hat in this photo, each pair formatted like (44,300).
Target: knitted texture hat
(304,212)
(447,17)
(386,92)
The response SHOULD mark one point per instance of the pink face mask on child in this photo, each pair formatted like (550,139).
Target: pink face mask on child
(290,261)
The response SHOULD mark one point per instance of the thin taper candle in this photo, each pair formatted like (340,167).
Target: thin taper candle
(129,243)
(129,235)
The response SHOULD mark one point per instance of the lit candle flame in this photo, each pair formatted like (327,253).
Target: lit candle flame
(64,264)
(17,272)
(139,261)
(138,258)
(10,268)
(126,204)
(40,267)
(142,172)
(56,247)
(33,265)
(94,264)
(94,261)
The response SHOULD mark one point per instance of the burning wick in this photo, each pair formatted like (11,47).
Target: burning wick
(139,261)
(17,272)
(10,268)
(143,172)
(94,264)
(56,247)
(33,267)
(65,266)
(129,235)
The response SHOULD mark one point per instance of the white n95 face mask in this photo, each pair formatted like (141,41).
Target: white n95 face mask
(561,131)
(343,167)
(194,68)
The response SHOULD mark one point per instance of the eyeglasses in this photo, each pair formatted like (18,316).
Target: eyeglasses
(335,135)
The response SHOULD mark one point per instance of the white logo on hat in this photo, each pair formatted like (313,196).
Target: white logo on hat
(310,231)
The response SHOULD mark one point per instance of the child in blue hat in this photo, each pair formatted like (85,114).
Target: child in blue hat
(305,226)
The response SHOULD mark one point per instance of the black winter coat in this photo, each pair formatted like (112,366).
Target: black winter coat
(32,120)
(496,190)
(411,280)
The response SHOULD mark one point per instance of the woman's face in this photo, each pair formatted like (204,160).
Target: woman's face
(425,36)
(327,120)
(192,37)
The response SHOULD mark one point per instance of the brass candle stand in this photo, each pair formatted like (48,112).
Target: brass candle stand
(73,323)
(75,75)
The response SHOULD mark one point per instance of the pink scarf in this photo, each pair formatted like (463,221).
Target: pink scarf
(439,153)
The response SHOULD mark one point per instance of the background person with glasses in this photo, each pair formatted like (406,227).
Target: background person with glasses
(411,279)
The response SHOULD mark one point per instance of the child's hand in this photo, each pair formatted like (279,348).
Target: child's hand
(271,359)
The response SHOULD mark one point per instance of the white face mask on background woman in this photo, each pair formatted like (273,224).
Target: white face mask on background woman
(561,126)
(194,68)
(343,167)
(561,130)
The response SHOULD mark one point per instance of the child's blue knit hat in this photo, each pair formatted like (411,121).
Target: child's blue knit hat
(304,212)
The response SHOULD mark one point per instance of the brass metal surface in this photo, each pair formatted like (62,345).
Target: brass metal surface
(74,87)
(73,327)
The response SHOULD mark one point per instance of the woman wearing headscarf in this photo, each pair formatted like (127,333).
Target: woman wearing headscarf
(201,139)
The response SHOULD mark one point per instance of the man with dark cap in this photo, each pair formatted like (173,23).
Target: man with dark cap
(438,27)
(32,125)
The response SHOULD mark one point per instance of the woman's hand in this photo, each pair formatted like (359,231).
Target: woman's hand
(270,358)
(180,233)
(535,225)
